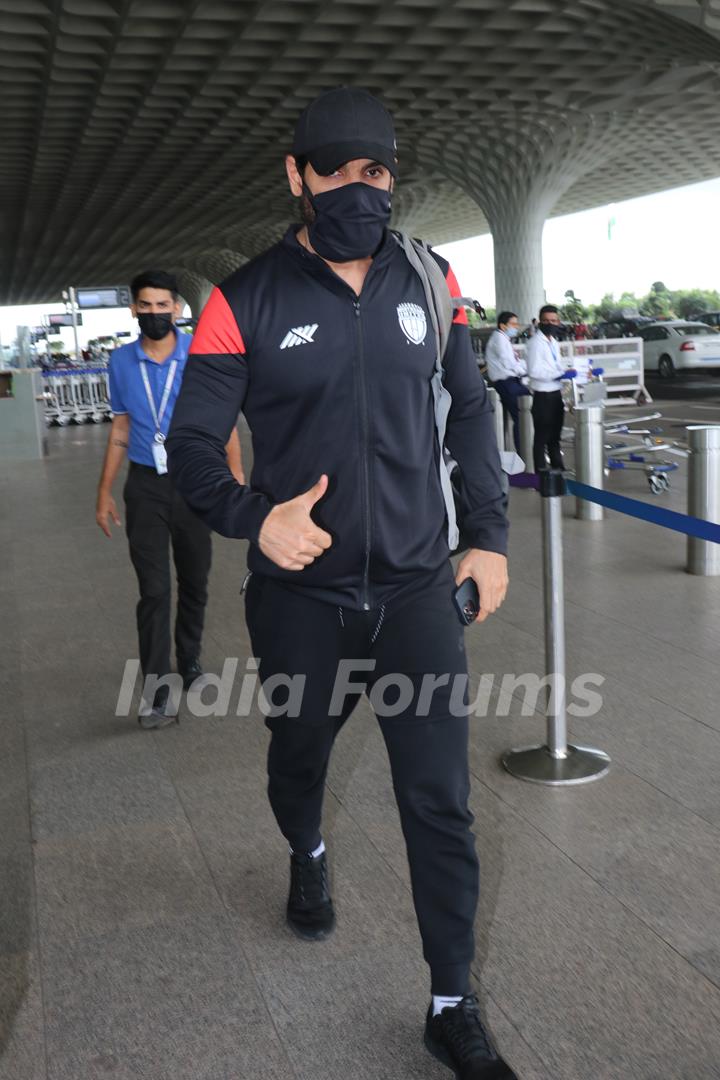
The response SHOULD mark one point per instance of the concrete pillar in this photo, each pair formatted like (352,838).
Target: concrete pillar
(194,289)
(205,270)
(516,169)
(517,214)
(517,243)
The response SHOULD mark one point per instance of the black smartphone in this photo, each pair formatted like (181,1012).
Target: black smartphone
(467,601)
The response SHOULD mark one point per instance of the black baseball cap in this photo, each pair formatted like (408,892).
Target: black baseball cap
(341,125)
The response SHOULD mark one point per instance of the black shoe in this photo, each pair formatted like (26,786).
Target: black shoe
(190,672)
(160,714)
(309,908)
(456,1037)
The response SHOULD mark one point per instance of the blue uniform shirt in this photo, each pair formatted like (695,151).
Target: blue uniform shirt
(127,392)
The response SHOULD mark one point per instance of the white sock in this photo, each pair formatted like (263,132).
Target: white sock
(313,854)
(440,1003)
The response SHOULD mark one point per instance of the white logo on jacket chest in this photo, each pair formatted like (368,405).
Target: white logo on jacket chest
(413,322)
(299,335)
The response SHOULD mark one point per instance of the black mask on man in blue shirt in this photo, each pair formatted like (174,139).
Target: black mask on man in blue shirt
(155,325)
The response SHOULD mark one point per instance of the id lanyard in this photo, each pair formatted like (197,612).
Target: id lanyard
(159,452)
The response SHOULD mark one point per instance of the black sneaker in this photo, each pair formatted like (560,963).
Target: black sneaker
(309,908)
(456,1037)
(190,671)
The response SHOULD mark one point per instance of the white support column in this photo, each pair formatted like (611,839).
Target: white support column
(195,290)
(206,269)
(516,170)
(517,240)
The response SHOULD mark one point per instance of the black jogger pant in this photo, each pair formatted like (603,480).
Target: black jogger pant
(156,515)
(548,413)
(415,634)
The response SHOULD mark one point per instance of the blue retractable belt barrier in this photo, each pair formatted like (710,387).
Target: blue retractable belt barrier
(669,519)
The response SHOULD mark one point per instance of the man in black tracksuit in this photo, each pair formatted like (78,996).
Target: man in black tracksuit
(325,343)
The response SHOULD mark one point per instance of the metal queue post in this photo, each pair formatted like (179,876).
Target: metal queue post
(701,524)
(499,417)
(589,457)
(527,431)
(557,762)
(703,556)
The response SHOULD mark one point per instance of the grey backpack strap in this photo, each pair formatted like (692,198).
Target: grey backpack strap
(440,307)
(437,294)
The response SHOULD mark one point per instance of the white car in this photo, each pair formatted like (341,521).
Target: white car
(679,345)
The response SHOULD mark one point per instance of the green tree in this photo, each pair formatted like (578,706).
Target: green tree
(628,302)
(658,302)
(606,308)
(689,302)
(573,310)
(658,305)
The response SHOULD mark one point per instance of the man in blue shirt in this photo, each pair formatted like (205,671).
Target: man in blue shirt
(145,379)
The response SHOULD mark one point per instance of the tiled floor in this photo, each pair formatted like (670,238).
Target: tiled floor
(142,879)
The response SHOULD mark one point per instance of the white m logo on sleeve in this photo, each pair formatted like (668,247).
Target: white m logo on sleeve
(299,335)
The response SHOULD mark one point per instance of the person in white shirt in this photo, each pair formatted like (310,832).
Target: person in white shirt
(506,369)
(546,368)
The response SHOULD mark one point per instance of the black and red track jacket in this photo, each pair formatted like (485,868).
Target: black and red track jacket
(333,383)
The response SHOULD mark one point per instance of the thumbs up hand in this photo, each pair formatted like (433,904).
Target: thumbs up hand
(289,536)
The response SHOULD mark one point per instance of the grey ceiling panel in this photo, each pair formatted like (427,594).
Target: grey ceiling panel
(153,131)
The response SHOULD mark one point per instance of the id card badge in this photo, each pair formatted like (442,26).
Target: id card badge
(160,455)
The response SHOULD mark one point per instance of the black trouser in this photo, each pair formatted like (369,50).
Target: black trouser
(510,390)
(155,516)
(548,413)
(415,634)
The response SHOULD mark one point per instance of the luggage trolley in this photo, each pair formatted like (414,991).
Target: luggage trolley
(86,409)
(99,395)
(76,396)
(638,457)
(59,409)
(656,471)
(638,450)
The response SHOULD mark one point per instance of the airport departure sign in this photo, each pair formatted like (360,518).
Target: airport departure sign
(107,296)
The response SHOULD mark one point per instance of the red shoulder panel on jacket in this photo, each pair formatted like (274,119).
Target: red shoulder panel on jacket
(461,315)
(217,330)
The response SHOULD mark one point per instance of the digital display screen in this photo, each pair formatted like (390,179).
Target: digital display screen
(106,297)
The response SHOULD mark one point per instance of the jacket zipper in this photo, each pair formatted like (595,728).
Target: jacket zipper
(365,449)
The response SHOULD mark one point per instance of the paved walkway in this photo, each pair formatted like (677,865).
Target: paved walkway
(142,880)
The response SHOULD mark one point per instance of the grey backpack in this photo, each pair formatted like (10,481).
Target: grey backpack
(442,308)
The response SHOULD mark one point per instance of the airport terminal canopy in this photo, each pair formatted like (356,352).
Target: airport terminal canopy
(138,132)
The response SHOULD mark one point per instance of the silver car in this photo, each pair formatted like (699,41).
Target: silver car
(679,345)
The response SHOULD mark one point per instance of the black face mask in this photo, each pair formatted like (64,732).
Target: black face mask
(349,221)
(155,327)
(553,331)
